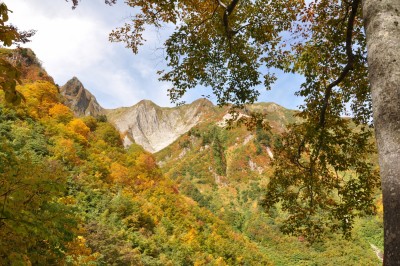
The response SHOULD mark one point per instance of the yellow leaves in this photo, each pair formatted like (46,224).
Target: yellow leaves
(98,175)
(40,97)
(65,151)
(190,236)
(120,174)
(379,207)
(80,129)
(80,253)
(68,200)
(61,113)
(220,262)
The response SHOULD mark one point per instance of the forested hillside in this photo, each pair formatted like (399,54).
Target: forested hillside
(227,171)
(71,194)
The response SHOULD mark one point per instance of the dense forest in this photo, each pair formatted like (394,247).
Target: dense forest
(71,194)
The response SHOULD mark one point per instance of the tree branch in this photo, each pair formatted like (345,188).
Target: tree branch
(222,4)
(228,11)
(232,6)
(75,2)
(349,65)
(209,18)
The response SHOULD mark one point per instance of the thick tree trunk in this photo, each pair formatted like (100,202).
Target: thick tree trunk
(382,26)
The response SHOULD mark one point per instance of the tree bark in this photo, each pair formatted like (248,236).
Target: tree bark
(382,27)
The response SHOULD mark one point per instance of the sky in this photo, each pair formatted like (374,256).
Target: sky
(75,43)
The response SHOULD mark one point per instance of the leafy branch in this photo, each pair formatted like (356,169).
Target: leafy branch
(349,65)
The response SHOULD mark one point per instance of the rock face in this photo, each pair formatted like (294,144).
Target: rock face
(155,127)
(30,66)
(80,100)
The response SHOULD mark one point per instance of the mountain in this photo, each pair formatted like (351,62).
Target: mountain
(75,196)
(26,61)
(227,171)
(194,201)
(155,127)
(79,99)
(145,123)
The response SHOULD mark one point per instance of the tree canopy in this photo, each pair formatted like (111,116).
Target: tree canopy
(234,46)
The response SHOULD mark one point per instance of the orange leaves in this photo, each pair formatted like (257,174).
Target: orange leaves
(146,162)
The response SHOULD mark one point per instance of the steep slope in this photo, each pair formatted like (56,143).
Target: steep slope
(227,171)
(75,196)
(154,127)
(26,61)
(79,99)
(106,205)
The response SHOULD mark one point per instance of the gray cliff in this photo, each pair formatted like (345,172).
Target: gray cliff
(155,127)
(80,100)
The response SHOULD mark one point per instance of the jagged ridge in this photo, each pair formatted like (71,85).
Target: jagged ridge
(154,127)
(79,99)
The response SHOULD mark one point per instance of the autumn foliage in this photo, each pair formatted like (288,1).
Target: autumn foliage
(72,195)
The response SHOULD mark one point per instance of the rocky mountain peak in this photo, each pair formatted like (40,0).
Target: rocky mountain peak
(156,127)
(79,99)
(203,101)
(72,87)
(147,103)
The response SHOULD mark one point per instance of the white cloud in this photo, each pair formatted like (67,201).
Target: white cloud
(75,43)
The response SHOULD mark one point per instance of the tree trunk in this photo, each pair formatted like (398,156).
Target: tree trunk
(382,26)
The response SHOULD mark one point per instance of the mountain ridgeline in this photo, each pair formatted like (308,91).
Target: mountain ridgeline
(146,185)
(154,127)
(226,171)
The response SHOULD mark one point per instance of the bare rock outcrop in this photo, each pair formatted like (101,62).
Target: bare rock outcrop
(155,127)
(79,99)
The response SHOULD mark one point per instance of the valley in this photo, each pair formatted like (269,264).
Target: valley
(148,185)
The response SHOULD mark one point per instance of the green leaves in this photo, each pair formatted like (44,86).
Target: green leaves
(323,178)
(218,46)
(9,74)
(33,223)
(9,77)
